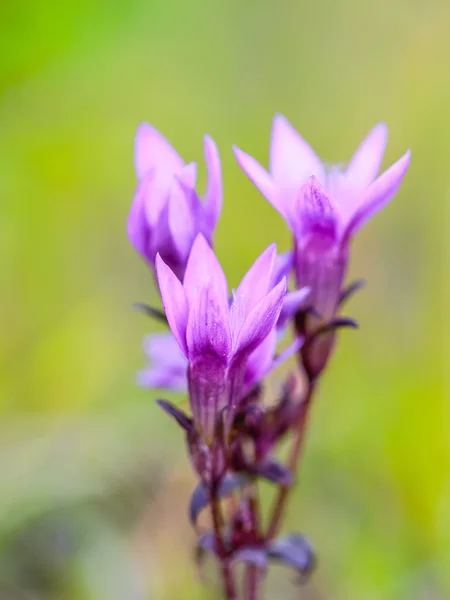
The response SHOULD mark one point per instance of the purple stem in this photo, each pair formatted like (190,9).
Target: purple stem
(252,577)
(283,491)
(252,572)
(229,586)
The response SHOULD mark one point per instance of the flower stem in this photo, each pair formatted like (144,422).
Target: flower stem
(229,587)
(283,491)
(253,575)
(252,578)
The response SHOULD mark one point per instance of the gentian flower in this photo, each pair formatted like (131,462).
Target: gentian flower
(168,366)
(217,337)
(323,207)
(167,214)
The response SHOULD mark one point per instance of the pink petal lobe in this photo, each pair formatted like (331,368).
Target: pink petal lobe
(253,288)
(292,160)
(261,320)
(366,162)
(378,195)
(152,150)
(181,220)
(261,359)
(137,227)
(174,302)
(203,269)
(261,179)
(212,202)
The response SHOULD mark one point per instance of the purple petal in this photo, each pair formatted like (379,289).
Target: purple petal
(168,365)
(181,220)
(163,348)
(314,212)
(366,162)
(137,226)
(153,150)
(174,302)
(261,320)
(253,288)
(260,360)
(212,202)
(162,377)
(161,242)
(286,354)
(188,175)
(292,160)
(261,179)
(291,304)
(208,328)
(207,376)
(378,195)
(282,266)
(202,270)
(157,192)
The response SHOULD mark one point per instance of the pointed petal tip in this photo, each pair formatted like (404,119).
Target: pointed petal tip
(208,141)
(159,262)
(239,154)
(200,242)
(402,165)
(271,250)
(279,120)
(244,160)
(283,129)
(399,168)
(174,301)
(380,129)
(143,128)
(312,184)
(313,181)
(210,149)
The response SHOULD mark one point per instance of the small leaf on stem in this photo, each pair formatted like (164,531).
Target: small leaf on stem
(155,313)
(351,289)
(293,551)
(180,417)
(200,496)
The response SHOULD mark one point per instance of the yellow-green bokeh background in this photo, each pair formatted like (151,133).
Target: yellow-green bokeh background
(93,479)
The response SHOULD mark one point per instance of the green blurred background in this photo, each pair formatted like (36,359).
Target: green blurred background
(93,478)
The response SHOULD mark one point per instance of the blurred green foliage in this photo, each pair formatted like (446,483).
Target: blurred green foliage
(93,479)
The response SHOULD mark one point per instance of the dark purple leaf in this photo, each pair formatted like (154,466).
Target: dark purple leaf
(180,417)
(338,323)
(350,290)
(200,496)
(273,471)
(293,551)
(206,544)
(155,313)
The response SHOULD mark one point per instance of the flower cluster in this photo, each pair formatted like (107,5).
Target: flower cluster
(222,344)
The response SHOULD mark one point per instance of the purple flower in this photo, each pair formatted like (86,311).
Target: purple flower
(168,365)
(323,207)
(167,214)
(217,337)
